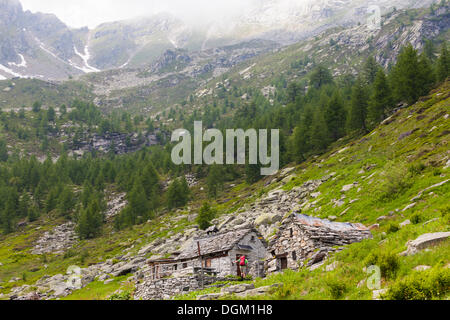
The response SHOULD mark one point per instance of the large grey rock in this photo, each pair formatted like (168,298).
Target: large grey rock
(238,288)
(378,294)
(258,291)
(425,241)
(211,296)
(126,269)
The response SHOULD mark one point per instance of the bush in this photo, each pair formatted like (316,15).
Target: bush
(122,295)
(336,288)
(416,218)
(421,285)
(394,184)
(416,168)
(392,228)
(388,262)
(84,256)
(205,216)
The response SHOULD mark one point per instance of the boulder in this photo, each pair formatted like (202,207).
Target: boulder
(211,296)
(378,294)
(425,241)
(409,206)
(348,187)
(126,269)
(264,220)
(405,223)
(238,288)
(422,268)
(258,291)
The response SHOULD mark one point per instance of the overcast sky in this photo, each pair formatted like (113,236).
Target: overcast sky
(79,13)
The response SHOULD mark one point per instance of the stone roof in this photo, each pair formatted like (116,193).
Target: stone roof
(215,243)
(325,230)
(335,226)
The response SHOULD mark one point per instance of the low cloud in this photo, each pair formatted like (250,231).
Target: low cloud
(80,13)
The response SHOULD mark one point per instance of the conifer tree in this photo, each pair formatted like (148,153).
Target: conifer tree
(205,216)
(320,77)
(411,76)
(370,70)
(138,209)
(443,64)
(381,100)
(214,180)
(358,107)
(3,151)
(301,137)
(335,116)
(319,138)
(90,220)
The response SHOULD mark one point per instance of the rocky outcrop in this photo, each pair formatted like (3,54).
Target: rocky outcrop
(425,241)
(266,213)
(240,291)
(115,205)
(56,241)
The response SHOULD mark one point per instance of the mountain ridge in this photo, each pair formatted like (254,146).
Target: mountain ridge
(55,51)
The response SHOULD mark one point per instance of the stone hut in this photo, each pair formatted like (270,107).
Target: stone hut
(301,238)
(215,255)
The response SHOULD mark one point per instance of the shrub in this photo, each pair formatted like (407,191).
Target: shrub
(416,218)
(205,216)
(84,256)
(392,228)
(122,295)
(416,168)
(69,254)
(388,262)
(421,285)
(336,288)
(395,182)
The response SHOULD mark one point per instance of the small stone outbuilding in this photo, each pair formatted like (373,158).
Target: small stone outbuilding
(303,238)
(215,254)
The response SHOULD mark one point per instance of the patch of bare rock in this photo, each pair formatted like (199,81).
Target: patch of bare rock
(56,241)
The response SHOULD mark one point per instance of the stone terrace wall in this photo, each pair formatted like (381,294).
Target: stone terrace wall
(165,289)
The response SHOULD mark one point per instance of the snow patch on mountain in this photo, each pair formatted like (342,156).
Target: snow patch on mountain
(9,71)
(22,64)
(85,57)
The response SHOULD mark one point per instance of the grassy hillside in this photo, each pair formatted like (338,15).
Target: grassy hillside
(394,179)
(391,165)
(401,165)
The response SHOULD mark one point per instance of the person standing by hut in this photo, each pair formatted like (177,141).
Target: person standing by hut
(243,264)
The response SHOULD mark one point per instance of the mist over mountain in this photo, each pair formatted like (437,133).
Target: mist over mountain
(39,45)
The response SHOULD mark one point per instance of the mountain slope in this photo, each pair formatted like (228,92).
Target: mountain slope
(388,168)
(41,46)
(38,45)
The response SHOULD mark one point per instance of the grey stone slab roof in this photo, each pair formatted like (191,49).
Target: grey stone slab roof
(215,243)
(335,226)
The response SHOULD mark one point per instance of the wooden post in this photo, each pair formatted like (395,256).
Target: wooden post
(201,264)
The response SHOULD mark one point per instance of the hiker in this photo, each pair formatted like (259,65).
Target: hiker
(243,263)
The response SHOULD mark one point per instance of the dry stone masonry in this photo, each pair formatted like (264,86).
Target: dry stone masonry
(165,289)
(303,238)
(56,241)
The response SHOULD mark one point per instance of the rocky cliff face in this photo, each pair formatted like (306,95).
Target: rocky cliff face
(41,46)
(37,45)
